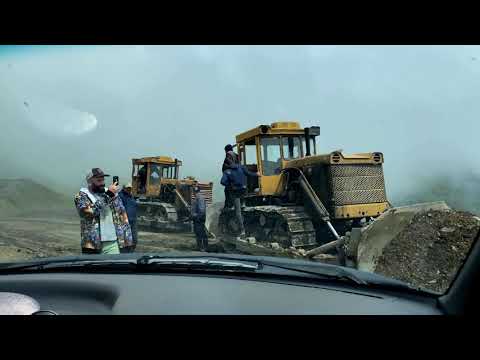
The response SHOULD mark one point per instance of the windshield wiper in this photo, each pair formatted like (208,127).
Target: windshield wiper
(144,263)
(253,265)
(149,262)
(333,272)
(65,264)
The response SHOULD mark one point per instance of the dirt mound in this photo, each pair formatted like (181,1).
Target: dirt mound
(429,251)
(23,197)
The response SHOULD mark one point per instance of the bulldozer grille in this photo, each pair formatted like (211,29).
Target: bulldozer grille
(207,191)
(351,184)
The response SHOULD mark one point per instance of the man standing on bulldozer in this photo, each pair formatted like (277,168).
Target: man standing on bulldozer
(235,180)
(231,158)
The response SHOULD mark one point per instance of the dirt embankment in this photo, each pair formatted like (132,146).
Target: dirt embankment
(430,250)
(26,198)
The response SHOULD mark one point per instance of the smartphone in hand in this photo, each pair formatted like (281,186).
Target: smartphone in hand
(115,180)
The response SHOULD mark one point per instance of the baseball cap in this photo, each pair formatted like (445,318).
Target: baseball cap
(95,172)
(128,185)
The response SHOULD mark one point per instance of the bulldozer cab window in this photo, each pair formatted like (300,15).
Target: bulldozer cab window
(135,170)
(313,146)
(292,147)
(248,156)
(140,172)
(135,177)
(241,154)
(167,172)
(250,153)
(154,174)
(271,155)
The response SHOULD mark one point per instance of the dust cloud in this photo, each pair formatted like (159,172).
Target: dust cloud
(64,110)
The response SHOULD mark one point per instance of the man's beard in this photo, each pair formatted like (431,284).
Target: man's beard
(98,189)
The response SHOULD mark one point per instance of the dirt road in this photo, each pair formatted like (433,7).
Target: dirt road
(30,238)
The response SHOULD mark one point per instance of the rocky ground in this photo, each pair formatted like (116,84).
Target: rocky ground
(36,222)
(426,253)
(431,249)
(25,238)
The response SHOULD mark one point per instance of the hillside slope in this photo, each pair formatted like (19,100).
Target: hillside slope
(24,197)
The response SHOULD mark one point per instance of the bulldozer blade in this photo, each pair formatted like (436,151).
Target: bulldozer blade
(376,236)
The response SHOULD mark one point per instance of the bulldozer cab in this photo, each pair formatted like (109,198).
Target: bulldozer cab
(149,174)
(267,147)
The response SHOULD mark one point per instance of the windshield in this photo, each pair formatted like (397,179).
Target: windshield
(168,172)
(292,146)
(271,157)
(391,186)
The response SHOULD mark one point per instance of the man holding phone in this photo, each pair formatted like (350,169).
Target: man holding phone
(103,219)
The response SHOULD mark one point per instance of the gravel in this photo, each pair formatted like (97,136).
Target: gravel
(430,250)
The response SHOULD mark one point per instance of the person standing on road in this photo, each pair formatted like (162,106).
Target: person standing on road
(104,226)
(130,205)
(231,158)
(199,215)
(236,179)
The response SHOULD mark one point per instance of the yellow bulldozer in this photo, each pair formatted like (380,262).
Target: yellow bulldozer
(303,199)
(163,199)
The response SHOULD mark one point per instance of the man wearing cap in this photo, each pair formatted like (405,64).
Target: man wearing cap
(103,220)
(230,157)
(130,206)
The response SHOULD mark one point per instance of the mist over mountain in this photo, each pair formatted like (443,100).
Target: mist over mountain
(66,110)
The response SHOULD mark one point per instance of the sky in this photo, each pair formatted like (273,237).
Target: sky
(66,109)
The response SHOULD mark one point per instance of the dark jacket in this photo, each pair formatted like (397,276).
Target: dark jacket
(236,177)
(230,159)
(130,205)
(199,207)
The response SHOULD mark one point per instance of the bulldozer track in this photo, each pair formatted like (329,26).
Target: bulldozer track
(286,225)
(158,211)
(160,217)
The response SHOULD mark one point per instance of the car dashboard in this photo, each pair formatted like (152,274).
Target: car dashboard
(185,294)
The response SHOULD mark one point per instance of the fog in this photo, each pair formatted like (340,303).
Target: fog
(65,110)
